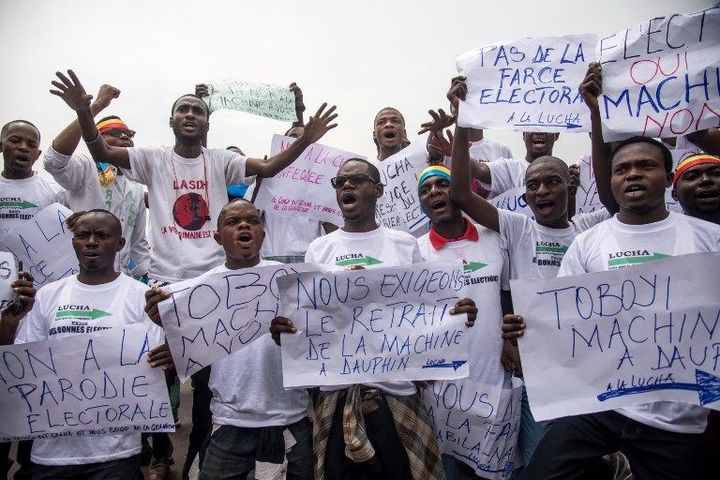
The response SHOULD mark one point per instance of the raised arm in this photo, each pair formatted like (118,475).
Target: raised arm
(299,105)
(590,89)
(67,141)
(474,205)
(72,92)
(316,127)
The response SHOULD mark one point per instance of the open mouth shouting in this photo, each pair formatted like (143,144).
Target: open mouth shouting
(708,197)
(544,207)
(438,205)
(245,239)
(634,191)
(348,200)
(189,127)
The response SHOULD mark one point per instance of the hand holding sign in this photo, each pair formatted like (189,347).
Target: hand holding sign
(591,86)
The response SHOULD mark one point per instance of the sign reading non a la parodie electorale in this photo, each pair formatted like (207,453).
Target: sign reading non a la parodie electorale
(477,423)
(661,77)
(44,245)
(529,84)
(8,274)
(262,99)
(614,339)
(83,385)
(400,205)
(303,188)
(384,324)
(208,318)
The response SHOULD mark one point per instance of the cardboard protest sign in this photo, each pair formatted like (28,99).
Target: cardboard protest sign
(82,385)
(529,84)
(304,187)
(613,339)
(661,77)
(514,201)
(262,99)
(586,198)
(400,206)
(44,245)
(210,317)
(359,326)
(8,274)
(477,423)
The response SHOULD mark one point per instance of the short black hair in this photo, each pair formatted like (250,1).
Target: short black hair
(667,155)
(7,126)
(117,226)
(172,109)
(239,200)
(389,108)
(374,172)
(550,160)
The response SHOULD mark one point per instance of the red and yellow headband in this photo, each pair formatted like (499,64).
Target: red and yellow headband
(109,123)
(693,161)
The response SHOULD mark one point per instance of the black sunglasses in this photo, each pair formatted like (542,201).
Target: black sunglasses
(118,132)
(355,179)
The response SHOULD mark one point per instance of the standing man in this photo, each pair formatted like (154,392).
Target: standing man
(389,133)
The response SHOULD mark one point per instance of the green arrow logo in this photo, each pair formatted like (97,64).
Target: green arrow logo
(93,314)
(544,249)
(17,204)
(473,266)
(367,261)
(636,260)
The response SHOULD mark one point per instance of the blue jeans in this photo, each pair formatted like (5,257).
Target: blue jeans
(120,469)
(230,455)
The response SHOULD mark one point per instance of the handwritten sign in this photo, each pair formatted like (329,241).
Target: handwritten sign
(639,334)
(400,206)
(208,318)
(529,84)
(304,187)
(661,78)
(477,423)
(514,201)
(44,245)
(82,385)
(359,326)
(262,99)
(8,274)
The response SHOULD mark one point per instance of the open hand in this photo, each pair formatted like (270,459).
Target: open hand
(71,91)
(152,298)
(319,124)
(438,145)
(440,121)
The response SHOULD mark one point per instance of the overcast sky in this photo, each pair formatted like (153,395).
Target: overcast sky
(359,55)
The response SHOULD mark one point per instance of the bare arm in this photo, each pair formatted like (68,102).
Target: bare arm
(73,93)
(708,140)
(590,89)
(316,127)
(474,205)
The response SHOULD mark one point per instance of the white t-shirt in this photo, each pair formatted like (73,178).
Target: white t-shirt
(612,245)
(536,251)
(123,300)
(21,199)
(488,150)
(486,266)
(124,198)
(247,386)
(382,247)
(506,174)
(185,198)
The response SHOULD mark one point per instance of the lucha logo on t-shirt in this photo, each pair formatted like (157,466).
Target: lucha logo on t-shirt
(191,211)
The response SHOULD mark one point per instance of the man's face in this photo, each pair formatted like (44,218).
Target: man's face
(546,192)
(356,193)
(698,190)
(240,232)
(189,120)
(389,130)
(20,148)
(96,241)
(434,195)
(539,144)
(639,178)
(117,137)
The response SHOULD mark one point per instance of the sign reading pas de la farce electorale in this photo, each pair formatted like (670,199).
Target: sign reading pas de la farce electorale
(528,84)
(44,245)
(661,77)
(303,188)
(208,318)
(383,324)
(602,341)
(83,385)
(262,99)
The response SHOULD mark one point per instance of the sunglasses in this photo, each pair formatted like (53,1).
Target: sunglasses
(355,180)
(118,132)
